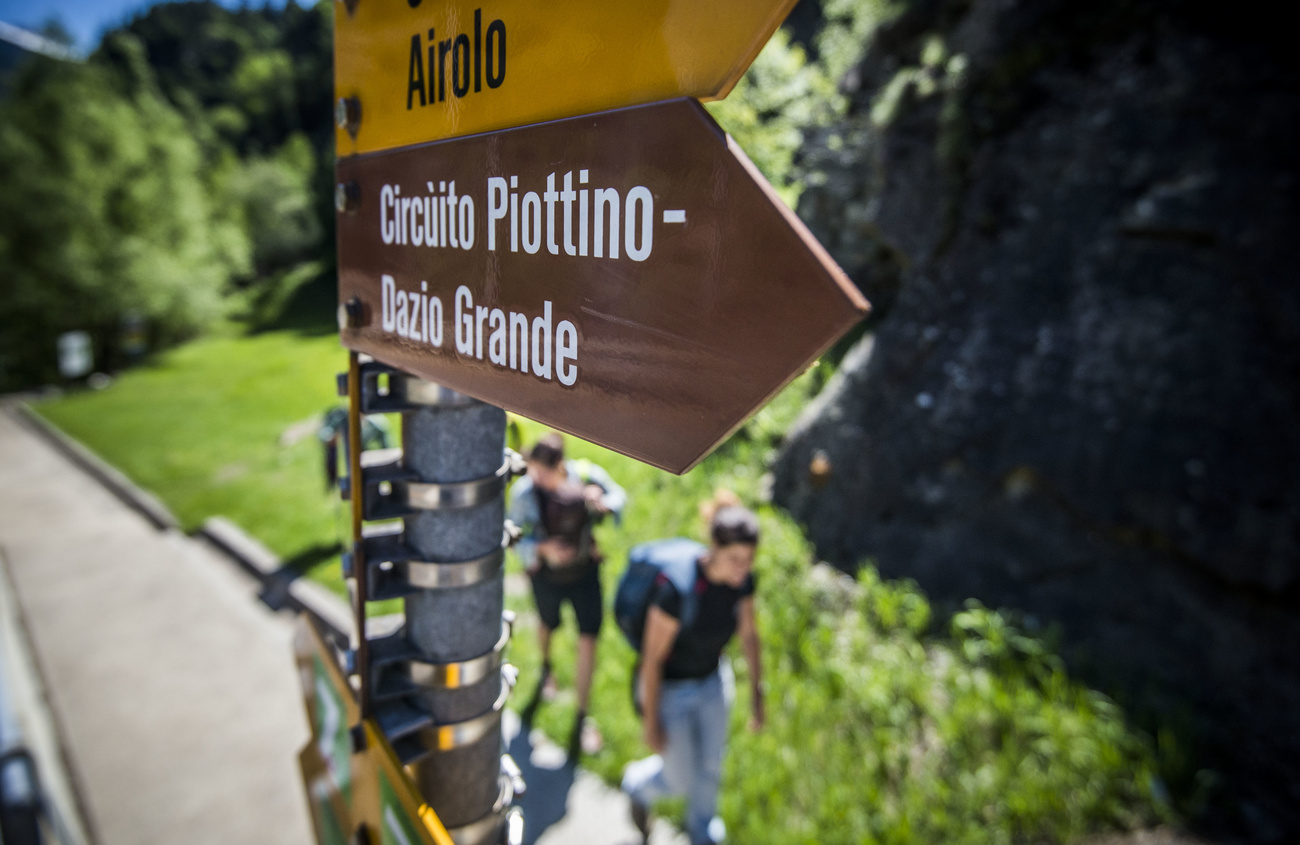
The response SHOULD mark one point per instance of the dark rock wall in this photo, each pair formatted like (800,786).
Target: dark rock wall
(1079,223)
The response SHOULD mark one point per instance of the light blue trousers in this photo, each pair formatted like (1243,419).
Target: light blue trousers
(695,715)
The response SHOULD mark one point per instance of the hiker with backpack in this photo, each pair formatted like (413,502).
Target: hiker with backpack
(555,506)
(680,603)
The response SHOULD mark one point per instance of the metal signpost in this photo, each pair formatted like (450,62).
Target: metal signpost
(430,695)
(611,266)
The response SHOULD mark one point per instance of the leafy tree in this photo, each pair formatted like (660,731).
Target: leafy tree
(260,75)
(779,98)
(256,82)
(106,211)
(273,196)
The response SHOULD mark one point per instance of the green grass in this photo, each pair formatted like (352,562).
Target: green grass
(885,724)
(225,426)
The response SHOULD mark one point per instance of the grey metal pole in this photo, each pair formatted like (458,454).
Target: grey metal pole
(439,684)
(458,443)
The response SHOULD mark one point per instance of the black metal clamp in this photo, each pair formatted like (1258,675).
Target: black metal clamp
(392,490)
(399,670)
(388,390)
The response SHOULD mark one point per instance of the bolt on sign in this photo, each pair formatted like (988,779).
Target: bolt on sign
(423,70)
(628,276)
(347,788)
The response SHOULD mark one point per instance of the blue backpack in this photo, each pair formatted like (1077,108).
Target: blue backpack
(674,558)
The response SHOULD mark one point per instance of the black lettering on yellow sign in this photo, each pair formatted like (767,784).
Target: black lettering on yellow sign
(416,85)
(472,62)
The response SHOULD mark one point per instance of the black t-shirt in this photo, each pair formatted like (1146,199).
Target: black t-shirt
(565,518)
(699,646)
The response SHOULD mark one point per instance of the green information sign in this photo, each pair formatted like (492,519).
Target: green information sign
(332,730)
(397,828)
(329,813)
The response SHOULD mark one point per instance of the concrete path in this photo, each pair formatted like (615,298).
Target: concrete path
(567,805)
(173,687)
(26,724)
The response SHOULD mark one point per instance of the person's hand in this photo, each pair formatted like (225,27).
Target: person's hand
(758,718)
(595,497)
(653,734)
(556,551)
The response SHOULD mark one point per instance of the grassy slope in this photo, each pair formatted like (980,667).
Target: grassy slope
(224,426)
(884,726)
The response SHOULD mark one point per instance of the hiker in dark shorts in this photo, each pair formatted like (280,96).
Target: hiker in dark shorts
(554,507)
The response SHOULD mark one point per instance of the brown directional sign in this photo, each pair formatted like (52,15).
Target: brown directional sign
(627,276)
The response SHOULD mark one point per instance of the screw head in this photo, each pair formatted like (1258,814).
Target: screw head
(347,114)
(347,196)
(350,313)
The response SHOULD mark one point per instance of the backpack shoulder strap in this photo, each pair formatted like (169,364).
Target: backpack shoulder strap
(677,562)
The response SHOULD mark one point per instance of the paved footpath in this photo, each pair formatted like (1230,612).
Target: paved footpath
(173,687)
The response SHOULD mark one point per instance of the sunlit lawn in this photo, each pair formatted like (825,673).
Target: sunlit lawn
(226,426)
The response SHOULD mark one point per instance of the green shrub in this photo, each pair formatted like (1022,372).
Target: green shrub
(880,732)
(883,725)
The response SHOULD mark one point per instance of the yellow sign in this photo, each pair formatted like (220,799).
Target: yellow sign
(410,71)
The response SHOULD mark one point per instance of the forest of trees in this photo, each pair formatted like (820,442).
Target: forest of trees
(179,175)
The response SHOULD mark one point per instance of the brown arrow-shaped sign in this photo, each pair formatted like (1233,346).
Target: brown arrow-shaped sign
(628,276)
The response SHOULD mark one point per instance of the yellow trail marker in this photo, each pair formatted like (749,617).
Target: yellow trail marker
(421,70)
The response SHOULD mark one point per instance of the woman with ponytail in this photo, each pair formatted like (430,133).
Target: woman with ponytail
(685,685)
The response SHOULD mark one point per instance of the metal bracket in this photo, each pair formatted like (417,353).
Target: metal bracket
(511,769)
(416,744)
(512,534)
(394,569)
(476,832)
(403,578)
(513,832)
(406,494)
(399,719)
(463,673)
(439,576)
(404,392)
(400,671)
(426,394)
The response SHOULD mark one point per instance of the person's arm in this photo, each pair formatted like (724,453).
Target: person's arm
(748,629)
(656,644)
(524,514)
(612,498)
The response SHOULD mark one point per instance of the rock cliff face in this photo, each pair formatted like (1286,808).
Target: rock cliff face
(1082,397)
